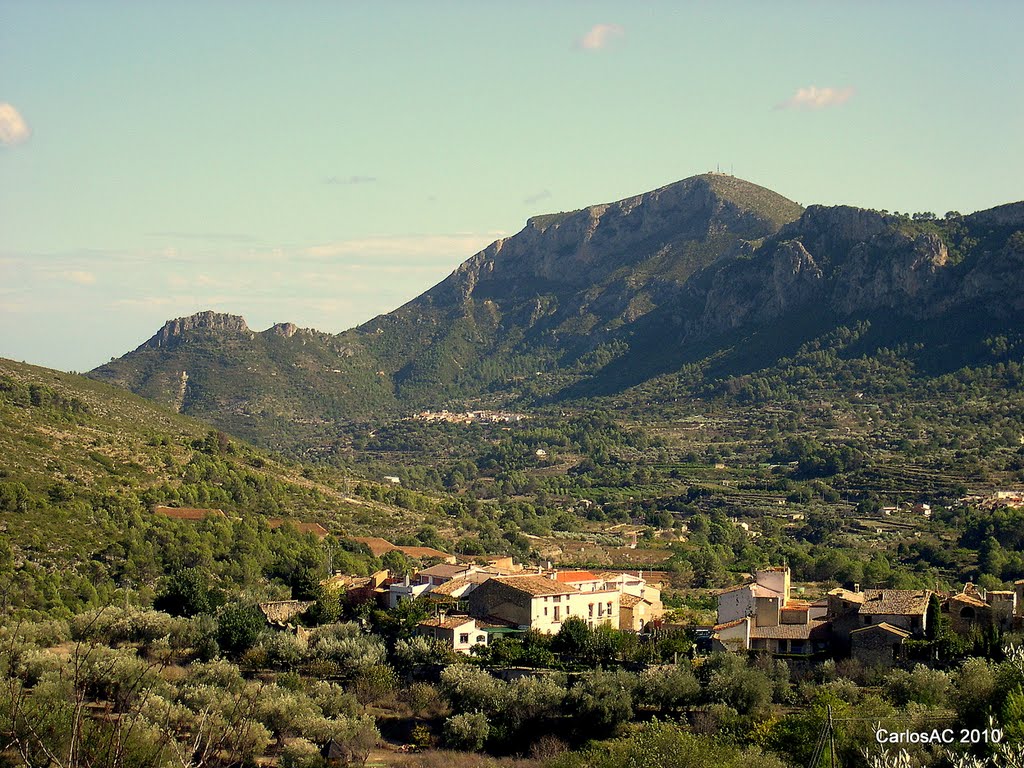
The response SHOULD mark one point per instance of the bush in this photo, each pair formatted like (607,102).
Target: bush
(467,731)
(301,753)
(601,701)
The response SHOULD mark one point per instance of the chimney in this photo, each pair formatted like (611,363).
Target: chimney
(856,587)
(406,582)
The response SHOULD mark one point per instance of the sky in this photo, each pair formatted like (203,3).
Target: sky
(324,162)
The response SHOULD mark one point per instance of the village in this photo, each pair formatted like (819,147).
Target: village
(472,600)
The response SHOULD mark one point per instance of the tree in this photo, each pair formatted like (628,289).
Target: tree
(574,639)
(188,593)
(238,627)
(397,562)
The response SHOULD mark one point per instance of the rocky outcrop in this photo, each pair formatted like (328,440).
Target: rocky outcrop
(175,330)
(1010,215)
(890,271)
(287,330)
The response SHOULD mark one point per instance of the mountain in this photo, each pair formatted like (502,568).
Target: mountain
(711,274)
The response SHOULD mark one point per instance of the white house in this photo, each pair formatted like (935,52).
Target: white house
(460,633)
(533,601)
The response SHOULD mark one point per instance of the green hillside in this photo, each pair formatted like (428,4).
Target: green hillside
(82,464)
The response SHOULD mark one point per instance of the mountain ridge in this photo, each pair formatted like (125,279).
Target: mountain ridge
(559,308)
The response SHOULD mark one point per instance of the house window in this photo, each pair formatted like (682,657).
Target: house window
(558,616)
(545,610)
(464,638)
(567,610)
(590,610)
(609,608)
(481,638)
(557,598)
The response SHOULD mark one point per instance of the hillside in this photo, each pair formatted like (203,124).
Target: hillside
(683,288)
(82,463)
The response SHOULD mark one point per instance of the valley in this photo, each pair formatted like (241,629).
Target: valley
(687,388)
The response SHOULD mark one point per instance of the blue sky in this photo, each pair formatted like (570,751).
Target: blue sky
(323,162)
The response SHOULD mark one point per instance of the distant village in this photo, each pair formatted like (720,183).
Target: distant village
(471,417)
(479,598)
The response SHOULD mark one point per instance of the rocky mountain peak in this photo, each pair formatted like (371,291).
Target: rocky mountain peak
(174,330)
(579,250)
(283,329)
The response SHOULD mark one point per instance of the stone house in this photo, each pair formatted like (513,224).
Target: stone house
(878,645)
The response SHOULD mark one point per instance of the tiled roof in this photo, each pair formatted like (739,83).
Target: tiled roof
(970,600)
(789,631)
(448,622)
(631,601)
(895,602)
(535,585)
(848,595)
(885,627)
(730,624)
(444,570)
(451,586)
(570,577)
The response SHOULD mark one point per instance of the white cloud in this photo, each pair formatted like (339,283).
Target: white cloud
(79,276)
(536,197)
(813,97)
(600,36)
(13,128)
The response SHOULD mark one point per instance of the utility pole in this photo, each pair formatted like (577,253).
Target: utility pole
(827,736)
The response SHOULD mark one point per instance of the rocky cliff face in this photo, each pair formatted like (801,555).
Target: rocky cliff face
(581,250)
(175,331)
(842,261)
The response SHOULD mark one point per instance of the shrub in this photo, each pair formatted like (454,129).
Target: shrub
(467,731)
